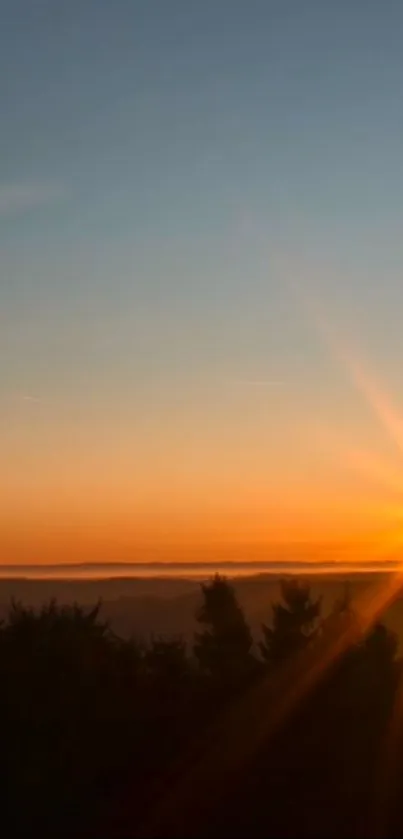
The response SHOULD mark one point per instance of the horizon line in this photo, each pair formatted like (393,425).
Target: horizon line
(131,570)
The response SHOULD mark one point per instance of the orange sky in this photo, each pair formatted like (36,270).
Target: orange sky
(227,492)
(212,466)
(228,473)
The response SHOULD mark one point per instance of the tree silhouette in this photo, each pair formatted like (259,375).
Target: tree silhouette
(293,623)
(375,660)
(166,662)
(67,718)
(83,712)
(224,647)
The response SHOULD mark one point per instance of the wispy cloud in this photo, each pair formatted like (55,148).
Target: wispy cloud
(20,197)
(22,398)
(27,397)
(260,382)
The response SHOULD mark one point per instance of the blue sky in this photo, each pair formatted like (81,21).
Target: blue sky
(168,172)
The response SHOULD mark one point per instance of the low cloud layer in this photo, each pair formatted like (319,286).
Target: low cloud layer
(17,198)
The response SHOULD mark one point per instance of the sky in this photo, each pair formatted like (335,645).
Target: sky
(200,288)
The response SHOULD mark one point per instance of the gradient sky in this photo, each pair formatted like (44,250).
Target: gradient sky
(195,199)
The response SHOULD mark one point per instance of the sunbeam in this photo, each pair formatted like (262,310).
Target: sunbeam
(376,469)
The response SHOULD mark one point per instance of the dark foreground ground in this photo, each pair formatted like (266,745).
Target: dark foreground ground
(257,707)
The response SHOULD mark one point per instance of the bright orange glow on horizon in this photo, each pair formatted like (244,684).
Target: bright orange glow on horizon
(260,482)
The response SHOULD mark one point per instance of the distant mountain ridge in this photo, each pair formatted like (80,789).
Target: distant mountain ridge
(192,568)
(144,606)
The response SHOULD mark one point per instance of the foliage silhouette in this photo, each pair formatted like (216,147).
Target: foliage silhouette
(166,661)
(224,647)
(87,717)
(294,623)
